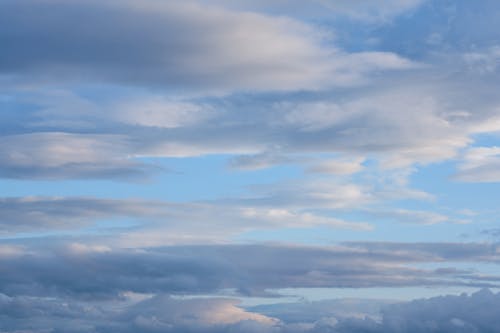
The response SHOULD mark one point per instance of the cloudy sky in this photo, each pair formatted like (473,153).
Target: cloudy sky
(249,166)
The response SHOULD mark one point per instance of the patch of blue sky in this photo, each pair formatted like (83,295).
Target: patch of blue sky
(307,236)
(486,140)
(441,26)
(453,194)
(380,293)
(383,231)
(185,179)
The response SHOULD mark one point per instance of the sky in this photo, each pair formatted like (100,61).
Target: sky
(248,166)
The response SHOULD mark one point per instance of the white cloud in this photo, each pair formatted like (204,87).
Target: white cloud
(154,222)
(219,223)
(52,149)
(342,166)
(159,112)
(165,311)
(483,61)
(479,164)
(415,216)
(363,10)
(56,155)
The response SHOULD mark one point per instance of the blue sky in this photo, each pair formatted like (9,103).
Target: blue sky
(222,166)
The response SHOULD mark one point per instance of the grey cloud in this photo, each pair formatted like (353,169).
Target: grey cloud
(149,43)
(89,272)
(435,251)
(160,313)
(476,313)
(95,272)
(259,161)
(29,214)
(494,232)
(179,45)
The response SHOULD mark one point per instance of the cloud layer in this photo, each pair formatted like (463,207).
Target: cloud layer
(173,166)
(83,270)
(474,313)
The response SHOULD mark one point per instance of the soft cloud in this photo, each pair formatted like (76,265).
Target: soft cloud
(415,216)
(399,127)
(160,113)
(364,10)
(161,313)
(342,166)
(480,164)
(259,161)
(349,104)
(96,271)
(178,45)
(55,155)
(484,61)
(474,313)
(158,314)
(154,222)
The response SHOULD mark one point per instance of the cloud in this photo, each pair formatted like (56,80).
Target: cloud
(284,128)
(331,194)
(365,10)
(95,288)
(99,140)
(195,311)
(101,272)
(159,112)
(177,45)
(49,214)
(479,164)
(483,61)
(56,155)
(420,117)
(415,216)
(136,223)
(313,311)
(161,313)
(259,161)
(357,106)
(342,166)
(438,251)
(474,313)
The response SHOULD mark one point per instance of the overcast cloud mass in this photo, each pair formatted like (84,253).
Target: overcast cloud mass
(249,166)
